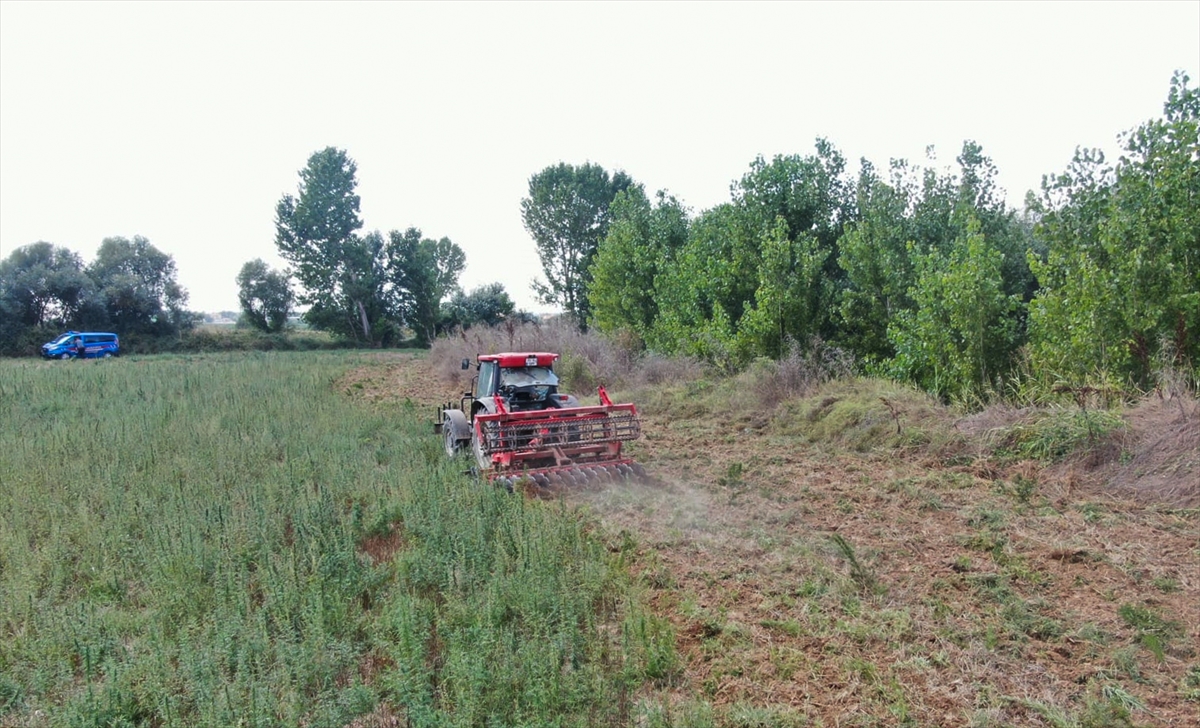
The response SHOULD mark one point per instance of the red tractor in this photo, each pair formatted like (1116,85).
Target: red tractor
(518,425)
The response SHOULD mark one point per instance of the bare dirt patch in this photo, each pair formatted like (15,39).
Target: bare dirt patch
(381,547)
(398,377)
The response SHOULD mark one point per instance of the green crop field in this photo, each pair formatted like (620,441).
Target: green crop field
(230,540)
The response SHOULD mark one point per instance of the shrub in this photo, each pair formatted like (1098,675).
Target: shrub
(1063,431)
(588,358)
(799,372)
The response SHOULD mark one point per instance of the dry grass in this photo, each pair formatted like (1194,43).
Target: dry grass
(1161,461)
(863,414)
(999,588)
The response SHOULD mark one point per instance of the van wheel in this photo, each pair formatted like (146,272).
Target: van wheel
(108,355)
(64,356)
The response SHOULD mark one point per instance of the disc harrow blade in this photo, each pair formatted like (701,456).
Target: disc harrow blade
(551,480)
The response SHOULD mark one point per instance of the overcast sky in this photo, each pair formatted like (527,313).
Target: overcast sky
(186,122)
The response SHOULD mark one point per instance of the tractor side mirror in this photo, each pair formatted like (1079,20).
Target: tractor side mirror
(466,364)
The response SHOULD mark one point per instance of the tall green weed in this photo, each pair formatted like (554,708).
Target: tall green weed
(185,541)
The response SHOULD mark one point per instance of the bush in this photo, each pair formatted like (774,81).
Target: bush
(28,342)
(863,414)
(588,359)
(1059,432)
(798,373)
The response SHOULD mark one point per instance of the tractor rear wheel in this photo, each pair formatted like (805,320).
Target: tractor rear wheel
(483,458)
(453,445)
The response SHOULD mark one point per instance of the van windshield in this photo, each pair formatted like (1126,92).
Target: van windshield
(62,340)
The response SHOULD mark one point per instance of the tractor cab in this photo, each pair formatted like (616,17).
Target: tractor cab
(523,381)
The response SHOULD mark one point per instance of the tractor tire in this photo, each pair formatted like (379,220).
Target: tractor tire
(455,429)
(451,442)
(482,457)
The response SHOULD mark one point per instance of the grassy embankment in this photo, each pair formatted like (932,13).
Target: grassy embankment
(228,540)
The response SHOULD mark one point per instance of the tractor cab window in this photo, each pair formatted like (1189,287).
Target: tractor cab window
(528,377)
(487,379)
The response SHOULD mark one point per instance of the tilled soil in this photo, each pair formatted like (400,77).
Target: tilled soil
(812,586)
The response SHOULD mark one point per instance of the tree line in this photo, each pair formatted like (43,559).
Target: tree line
(370,289)
(375,289)
(129,287)
(923,275)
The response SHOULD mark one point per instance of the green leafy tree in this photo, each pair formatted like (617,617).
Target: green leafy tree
(422,272)
(567,214)
(811,193)
(874,254)
(369,306)
(361,287)
(747,265)
(703,291)
(136,282)
(12,333)
(43,285)
(793,294)
(921,210)
(979,194)
(485,305)
(961,335)
(1153,230)
(641,243)
(44,289)
(914,209)
(265,295)
(1121,273)
(813,197)
(342,275)
(1075,327)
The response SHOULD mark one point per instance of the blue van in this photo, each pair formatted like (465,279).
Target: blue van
(96,345)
